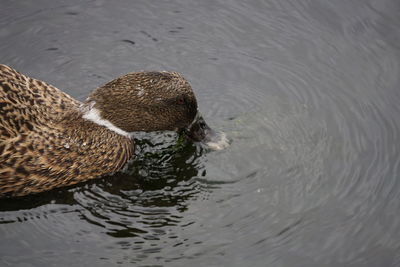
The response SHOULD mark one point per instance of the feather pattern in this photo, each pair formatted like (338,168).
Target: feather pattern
(45,143)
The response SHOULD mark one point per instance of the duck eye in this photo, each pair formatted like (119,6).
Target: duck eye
(180,100)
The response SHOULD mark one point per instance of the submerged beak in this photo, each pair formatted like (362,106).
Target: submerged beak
(199,131)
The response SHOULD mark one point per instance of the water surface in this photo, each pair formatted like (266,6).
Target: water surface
(308,91)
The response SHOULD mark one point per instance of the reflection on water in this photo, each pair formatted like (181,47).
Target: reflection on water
(140,202)
(307,92)
(160,177)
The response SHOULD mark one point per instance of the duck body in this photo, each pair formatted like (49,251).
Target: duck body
(44,141)
(48,139)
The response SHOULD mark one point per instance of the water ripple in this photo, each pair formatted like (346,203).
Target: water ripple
(308,93)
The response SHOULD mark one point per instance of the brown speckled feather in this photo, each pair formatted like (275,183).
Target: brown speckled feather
(27,103)
(45,143)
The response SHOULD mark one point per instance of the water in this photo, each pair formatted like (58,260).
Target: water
(308,92)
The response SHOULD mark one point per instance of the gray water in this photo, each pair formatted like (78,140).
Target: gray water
(308,92)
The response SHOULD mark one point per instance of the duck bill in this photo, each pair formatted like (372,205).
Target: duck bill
(199,131)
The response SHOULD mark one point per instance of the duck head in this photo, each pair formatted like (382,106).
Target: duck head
(148,101)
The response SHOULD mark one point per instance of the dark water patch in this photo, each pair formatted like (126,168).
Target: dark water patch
(149,35)
(128,41)
(71,13)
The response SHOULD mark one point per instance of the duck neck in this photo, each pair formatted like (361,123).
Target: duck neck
(90,113)
(90,136)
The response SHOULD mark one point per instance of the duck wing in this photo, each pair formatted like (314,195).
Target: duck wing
(27,103)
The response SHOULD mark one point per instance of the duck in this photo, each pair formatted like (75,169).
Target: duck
(49,139)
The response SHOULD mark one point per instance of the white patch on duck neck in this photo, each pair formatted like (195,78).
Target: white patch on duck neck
(93,114)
